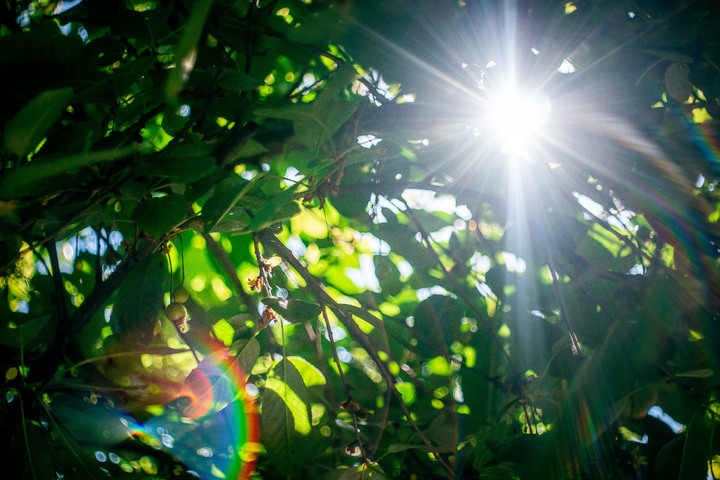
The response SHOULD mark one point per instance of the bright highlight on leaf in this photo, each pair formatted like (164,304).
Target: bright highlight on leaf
(294,404)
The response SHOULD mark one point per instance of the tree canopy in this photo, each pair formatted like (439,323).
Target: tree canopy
(360,239)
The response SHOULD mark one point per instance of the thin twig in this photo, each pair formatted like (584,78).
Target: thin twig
(346,387)
(262,266)
(563,307)
(58,283)
(153,351)
(25,435)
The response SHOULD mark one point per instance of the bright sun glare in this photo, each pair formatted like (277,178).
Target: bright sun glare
(516,118)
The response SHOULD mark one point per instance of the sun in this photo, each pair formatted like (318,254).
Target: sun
(515,118)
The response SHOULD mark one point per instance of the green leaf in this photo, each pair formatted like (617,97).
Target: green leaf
(291,112)
(681,458)
(159,215)
(595,252)
(228,193)
(319,129)
(236,220)
(275,210)
(319,28)
(293,310)
(248,353)
(186,51)
(407,391)
(285,419)
(180,169)
(443,433)
(352,473)
(310,374)
(432,222)
(25,130)
(387,274)
(401,447)
(20,336)
(437,321)
(250,149)
(238,81)
(402,241)
(316,123)
(224,331)
(351,205)
(40,174)
(139,300)
(361,313)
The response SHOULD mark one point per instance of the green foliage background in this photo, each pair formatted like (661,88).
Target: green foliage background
(447,311)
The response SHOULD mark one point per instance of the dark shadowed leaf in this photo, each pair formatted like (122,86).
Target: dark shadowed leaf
(187,49)
(181,169)
(29,125)
(227,193)
(248,353)
(681,458)
(437,320)
(158,215)
(139,301)
(293,310)
(20,336)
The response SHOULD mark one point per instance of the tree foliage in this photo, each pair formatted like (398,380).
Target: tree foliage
(318,191)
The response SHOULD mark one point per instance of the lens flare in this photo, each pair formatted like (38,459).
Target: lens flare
(211,427)
(207,422)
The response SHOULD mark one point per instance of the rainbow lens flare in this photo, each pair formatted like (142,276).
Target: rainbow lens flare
(211,427)
(207,423)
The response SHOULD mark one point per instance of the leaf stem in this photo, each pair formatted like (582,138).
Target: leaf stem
(563,307)
(25,436)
